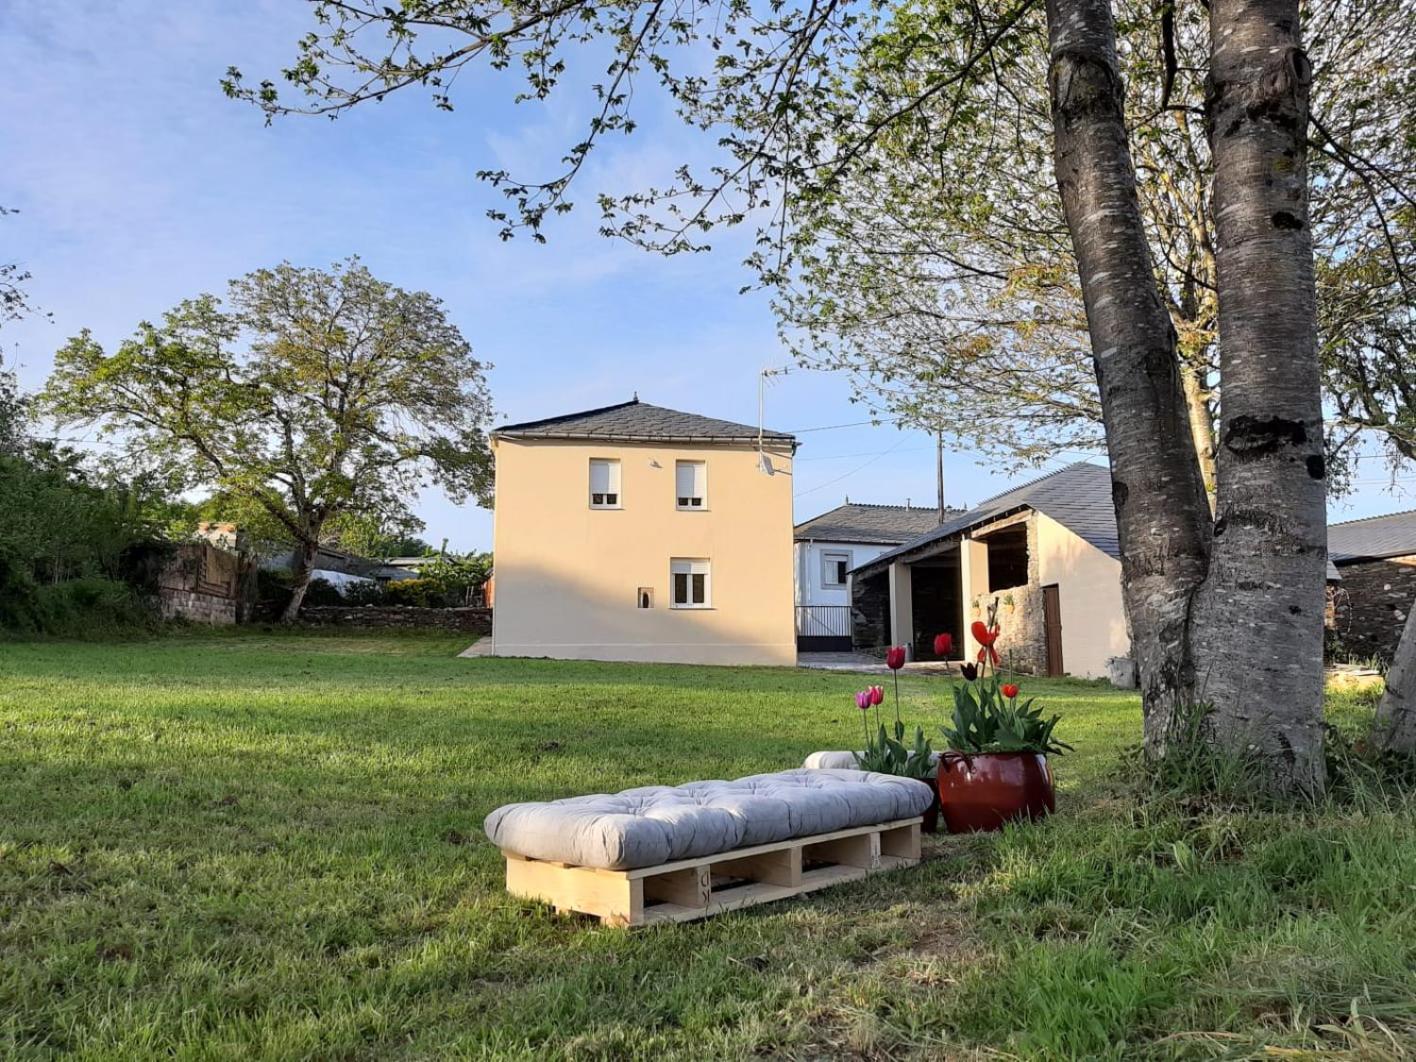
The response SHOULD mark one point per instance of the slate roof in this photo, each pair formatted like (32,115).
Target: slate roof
(880,525)
(1078,497)
(637,421)
(1373,538)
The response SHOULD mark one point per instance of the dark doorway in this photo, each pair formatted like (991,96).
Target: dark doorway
(937,603)
(1052,629)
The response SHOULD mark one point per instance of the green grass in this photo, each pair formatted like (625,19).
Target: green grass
(268,845)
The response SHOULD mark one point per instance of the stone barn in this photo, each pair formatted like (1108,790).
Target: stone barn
(1376,560)
(1047,550)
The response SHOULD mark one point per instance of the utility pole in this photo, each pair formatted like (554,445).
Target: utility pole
(939,470)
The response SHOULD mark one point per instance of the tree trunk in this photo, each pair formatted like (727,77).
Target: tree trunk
(1162,513)
(1259,628)
(305,554)
(1201,425)
(1395,728)
(1227,612)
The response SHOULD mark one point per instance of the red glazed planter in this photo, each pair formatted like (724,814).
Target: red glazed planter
(985,791)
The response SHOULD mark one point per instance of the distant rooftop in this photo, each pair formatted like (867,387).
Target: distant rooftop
(883,525)
(636,421)
(1373,538)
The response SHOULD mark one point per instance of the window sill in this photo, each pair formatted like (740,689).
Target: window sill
(605,508)
(691,608)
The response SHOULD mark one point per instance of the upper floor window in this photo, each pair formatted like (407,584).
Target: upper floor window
(691,484)
(692,582)
(834,567)
(604,483)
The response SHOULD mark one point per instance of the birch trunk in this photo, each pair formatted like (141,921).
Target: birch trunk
(1395,728)
(1225,611)
(1259,628)
(1162,513)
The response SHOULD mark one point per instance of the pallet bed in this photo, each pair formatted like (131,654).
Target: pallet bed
(697,888)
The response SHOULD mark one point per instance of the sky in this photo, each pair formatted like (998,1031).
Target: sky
(139,184)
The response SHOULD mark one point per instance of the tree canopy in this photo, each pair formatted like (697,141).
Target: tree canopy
(318,396)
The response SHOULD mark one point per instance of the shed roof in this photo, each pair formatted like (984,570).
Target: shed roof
(1372,538)
(1078,497)
(636,421)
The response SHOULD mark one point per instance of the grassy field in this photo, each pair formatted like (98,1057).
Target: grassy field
(268,845)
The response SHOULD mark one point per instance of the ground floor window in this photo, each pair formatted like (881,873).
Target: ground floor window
(692,581)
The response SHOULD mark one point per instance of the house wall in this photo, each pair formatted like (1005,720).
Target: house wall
(1089,592)
(808,574)
(1370,605)
(1089,596)
(567,575)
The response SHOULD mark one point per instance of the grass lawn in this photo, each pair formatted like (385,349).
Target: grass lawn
(269,845)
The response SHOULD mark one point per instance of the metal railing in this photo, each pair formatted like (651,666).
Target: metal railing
(823,621)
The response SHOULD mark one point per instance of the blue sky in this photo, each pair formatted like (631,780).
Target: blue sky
(140,184)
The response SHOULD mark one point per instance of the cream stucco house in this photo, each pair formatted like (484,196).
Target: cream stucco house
(635,532)
(1047,550)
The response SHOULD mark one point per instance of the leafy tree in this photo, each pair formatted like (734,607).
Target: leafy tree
(942,278)
(315,395)
(806,99)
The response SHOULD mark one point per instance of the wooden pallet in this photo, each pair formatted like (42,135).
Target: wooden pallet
(709,885)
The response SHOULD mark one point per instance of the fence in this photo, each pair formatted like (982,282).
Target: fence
(823,628)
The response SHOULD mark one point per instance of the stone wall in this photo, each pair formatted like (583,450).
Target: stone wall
(1022,637)
(1370,606)
(204,584)
(196,606)
(468,620)
(870,613)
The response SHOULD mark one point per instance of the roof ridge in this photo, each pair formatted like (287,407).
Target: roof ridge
(1368,519)
(568,416)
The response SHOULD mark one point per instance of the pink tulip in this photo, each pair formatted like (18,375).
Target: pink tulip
(863,700)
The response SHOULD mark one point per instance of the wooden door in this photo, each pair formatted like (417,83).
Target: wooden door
(1052,628)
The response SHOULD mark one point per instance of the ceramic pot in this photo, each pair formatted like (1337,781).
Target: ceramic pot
(985,791)
(931,814)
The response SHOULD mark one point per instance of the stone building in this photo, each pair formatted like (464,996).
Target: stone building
(1376,559)
(1047,551)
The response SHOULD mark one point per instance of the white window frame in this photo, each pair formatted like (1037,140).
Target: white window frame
(703,497)
(827,556)
(614,480)
(690,566)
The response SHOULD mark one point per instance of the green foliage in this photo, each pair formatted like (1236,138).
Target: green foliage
(890,755)
(310,395)
(986,721)
(67,543)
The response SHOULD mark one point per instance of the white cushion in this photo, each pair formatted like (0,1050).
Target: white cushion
(841,761)
(660,824)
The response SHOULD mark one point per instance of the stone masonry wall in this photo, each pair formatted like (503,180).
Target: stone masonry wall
(870,613)
(469,620)
(196,607)
(1370,605)
(1022,637)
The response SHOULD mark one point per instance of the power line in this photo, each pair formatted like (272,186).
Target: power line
(852,472)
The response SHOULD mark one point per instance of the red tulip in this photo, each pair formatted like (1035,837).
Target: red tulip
(990,654)
(895,657)
(944,644)
(877,694)
(1010,690)
(982,634)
